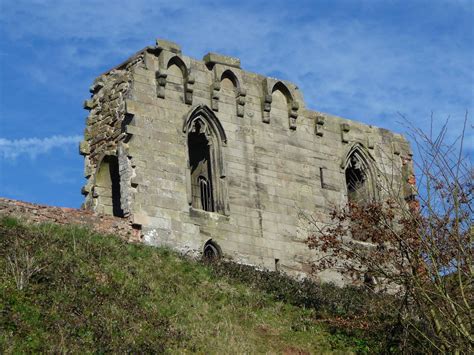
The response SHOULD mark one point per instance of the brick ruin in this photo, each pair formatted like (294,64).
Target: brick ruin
(212,160)
(103,224)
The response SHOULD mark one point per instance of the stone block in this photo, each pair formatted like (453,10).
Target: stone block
(168,45)
(214,58)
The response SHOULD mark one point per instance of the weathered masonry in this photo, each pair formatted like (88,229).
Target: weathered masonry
(210,159)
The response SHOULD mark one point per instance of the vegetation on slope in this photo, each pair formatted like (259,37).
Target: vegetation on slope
(68,289)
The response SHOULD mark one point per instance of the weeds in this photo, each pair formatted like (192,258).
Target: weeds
(83,292)
(354,314)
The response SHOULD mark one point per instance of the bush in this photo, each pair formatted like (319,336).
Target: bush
(420,246)
(56,297)
(349,311)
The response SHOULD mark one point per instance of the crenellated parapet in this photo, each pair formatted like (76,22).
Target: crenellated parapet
(226,68)
(167,62)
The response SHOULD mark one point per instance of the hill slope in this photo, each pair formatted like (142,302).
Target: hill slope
(68,289)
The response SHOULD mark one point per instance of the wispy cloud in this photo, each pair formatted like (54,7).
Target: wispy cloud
(10,149)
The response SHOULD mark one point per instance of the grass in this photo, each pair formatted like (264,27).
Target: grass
(67,289)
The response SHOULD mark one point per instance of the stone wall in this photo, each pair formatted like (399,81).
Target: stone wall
(33,213)
(276,163)
(105,129)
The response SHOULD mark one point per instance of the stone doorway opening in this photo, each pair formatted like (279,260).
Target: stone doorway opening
(107,187)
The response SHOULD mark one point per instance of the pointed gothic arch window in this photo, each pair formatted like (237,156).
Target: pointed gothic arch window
(359,176)
(206,173)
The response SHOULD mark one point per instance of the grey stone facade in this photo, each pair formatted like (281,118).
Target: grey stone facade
(206,157)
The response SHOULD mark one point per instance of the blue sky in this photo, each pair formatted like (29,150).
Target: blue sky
(364,60)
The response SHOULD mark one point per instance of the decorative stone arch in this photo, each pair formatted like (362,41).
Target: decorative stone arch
(270,87)
(106,187)
(176,60)
(162,76)
(360,175)
(222,72)
(229,74)
(206,173)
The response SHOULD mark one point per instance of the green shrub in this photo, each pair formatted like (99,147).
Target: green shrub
(91,293)
(349,312)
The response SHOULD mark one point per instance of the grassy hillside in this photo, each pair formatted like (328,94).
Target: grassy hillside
(67,289)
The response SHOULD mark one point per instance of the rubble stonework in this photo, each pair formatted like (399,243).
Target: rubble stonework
(34,213)
(208,158)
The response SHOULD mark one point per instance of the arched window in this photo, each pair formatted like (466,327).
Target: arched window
(205,141)
(211,251)
(201,167)
(360,181)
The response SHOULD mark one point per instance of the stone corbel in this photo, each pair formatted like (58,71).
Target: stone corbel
(319,126)
(267,106)
(169,51)
(189,89)
(293,114)
(241,94)
(345,128)
(160,84)
(289,91)
(215,89)
(221,64)
(268,84)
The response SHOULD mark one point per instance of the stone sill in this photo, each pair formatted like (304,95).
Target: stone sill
(214,216)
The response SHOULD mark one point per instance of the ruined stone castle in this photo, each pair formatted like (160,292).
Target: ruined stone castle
(212,160)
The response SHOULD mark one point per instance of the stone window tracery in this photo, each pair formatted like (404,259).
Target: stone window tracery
(359,177)
(205,141)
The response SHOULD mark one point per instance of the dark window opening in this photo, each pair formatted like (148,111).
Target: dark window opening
(201,169)
(115,178)
(356,182)
(211,251)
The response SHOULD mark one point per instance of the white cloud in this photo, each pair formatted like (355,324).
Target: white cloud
(10,149)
